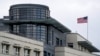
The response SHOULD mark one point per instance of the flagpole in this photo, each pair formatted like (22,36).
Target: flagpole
(84,20)
(87,28)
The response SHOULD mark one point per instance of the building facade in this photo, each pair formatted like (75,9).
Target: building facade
(13,45)
(78,42)
(33,21)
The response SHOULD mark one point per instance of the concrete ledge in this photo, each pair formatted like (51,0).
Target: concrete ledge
(66,51)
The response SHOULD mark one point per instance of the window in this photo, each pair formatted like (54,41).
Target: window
(61,43)
(45,53)
(82,48)
(70,45)
(47,38)
(57,41)
(26,52)
(38,32)
(52,37)
(5,48)
(52,54)
(48,54)
(16,51)
(37,53)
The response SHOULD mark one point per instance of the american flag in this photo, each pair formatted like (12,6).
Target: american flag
(82,20)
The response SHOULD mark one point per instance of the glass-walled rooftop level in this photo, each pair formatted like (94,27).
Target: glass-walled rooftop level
(29,12)
(37,32)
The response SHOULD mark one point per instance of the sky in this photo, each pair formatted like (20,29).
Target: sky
(67,12)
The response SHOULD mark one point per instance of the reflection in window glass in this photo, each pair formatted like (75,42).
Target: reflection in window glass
(29,13)
(38,32)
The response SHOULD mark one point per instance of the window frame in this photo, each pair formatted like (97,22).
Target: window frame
(26,53)
(5,48)
(17,53)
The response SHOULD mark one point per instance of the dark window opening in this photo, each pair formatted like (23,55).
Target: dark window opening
(70,45)
(45,53)
(61,43)
(57,41)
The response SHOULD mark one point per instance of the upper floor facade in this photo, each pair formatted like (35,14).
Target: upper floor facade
(78,42)
(13,45)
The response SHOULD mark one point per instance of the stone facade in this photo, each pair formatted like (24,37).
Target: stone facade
(9,41)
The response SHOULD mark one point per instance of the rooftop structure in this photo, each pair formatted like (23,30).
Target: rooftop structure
(80,43)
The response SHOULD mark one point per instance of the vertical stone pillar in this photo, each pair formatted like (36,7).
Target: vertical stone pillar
(0,47)
(41,53)
(11,50)
(21,51)
(31,53)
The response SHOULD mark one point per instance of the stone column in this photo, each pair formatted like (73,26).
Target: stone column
(21,51)
(11,50)
(41,53)
(31,53)
(0,47)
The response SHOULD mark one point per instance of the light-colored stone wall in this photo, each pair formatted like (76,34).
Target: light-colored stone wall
(21,42)
(66,51)
(74,38)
